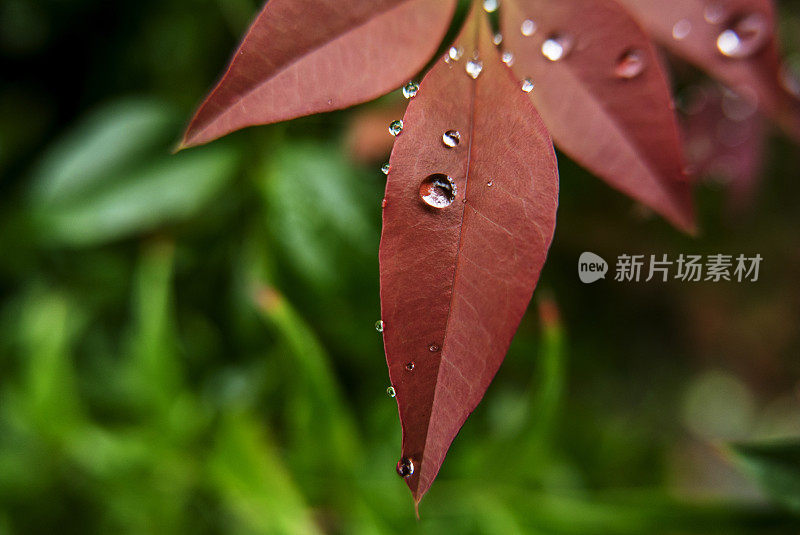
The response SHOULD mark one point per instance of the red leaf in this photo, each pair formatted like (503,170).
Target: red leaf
(606,100)
(308,56)
(733,40)
(455,281)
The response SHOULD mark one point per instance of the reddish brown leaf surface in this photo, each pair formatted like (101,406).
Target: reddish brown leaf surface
(308,56)
(455,281)
(693,29)
(606,101)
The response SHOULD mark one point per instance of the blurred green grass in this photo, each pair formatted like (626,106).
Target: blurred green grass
(186,341)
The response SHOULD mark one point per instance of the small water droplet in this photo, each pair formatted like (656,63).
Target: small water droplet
(451,139)
(474,68)
(714,13)
(681,30)
(396,127)
(528,27)
(527,85)
(385,168)
(498,38)
(410,366)
(379,326)
(557,47)
(490,6)
(490,183)
(744,37)
(455,53)
(508,58)
(405,467)
(433,348)
(630,64)
(438,191)
(410,89)
(383,203)
(391,392)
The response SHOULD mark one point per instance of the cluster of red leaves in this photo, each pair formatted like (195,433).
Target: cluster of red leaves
(472,189)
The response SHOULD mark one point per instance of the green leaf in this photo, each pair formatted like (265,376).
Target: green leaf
(776,465)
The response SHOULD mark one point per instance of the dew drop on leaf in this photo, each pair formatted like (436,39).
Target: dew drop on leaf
(385,168)
(379,326)
(383,203)
(405,467)
(391,392)
(455,53)
(410,89)
(433,348)
(527,86)
(451,138)
(746,36)
(498,38)
(474,68)
(528,27)
(490,6)
(681,30)
(410,366)
(396,127)
(557,47)
(630,64)
(437,191)
(490,183)
(508,58)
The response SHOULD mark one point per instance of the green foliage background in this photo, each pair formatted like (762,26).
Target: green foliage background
(186,341)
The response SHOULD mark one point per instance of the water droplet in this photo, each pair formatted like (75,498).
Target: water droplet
(455,53)
(508,58)
(410,366)
(438,191)
(746,36)
(410,89)
(490,183)
(474,68)
(451,138)
(498,38)
(379,326)
(557,47)
(405,467)
(396,127)
(630,64)
(490,6)
(433,348)
(391,392)
(527,86)
(385,168)
(528,27)
(383,203)
(681,30)
(714,13)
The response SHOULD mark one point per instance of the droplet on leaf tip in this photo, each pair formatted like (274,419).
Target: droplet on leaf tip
(451,138)
(410,90)
(405,467)
(528,27)
(396,127)
(437,191)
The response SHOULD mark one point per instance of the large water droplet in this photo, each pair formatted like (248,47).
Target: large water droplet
(405,467)
(508,58)
(746,36)
(379,326)
(438,191)
(490,6)
(527,85)
(474,68)
(391,392)
(455,53)
(681,30)
(396,127)
(630,64)
(451,138)
(410,89)
(557,47)
(385,168)
(528,27)
(498,38)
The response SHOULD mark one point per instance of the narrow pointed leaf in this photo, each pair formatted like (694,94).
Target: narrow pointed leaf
(456,280)
(605,100)
(734,41)
(307,56)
